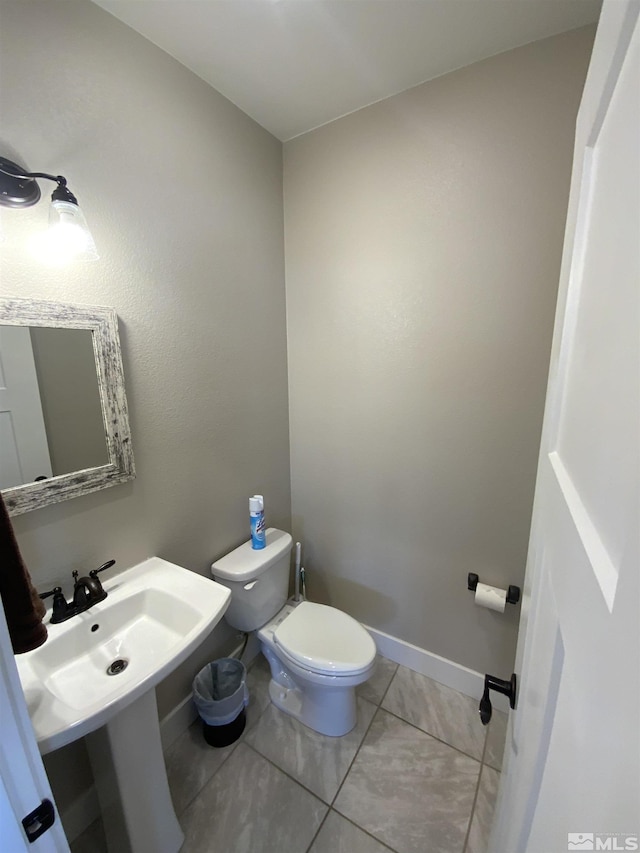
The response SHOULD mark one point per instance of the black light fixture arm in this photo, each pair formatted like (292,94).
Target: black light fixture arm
(12,173)
(61,193)
(18,188)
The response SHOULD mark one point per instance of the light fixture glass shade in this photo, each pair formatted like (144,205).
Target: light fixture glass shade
(68,237)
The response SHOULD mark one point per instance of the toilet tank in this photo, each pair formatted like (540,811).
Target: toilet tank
(258,580)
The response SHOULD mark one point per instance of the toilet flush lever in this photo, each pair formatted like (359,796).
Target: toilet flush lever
(508,688)
(250,585)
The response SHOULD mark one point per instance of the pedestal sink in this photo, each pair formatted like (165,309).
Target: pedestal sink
(96,676)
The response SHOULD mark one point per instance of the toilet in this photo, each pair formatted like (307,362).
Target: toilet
(317,654)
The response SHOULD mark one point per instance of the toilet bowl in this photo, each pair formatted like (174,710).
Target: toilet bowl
(317,654)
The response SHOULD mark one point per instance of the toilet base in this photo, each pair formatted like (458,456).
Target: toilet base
(329,711)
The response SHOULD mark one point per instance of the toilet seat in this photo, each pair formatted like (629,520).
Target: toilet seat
(325,640)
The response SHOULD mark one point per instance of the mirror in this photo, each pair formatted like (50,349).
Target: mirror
(64,427)
(51,417)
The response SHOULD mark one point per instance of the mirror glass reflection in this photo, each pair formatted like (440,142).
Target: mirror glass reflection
(51,420)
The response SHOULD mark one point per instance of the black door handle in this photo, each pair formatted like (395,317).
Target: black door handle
(507,688)
(39,820)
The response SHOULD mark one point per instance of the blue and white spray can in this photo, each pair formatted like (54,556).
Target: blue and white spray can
(256,517)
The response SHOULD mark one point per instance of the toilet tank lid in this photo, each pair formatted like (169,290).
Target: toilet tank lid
(245,563)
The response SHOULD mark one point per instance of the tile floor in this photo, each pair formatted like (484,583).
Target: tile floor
(418,774)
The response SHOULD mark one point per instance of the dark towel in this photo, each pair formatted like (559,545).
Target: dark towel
(23,606)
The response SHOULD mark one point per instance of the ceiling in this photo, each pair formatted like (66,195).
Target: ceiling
(293,65)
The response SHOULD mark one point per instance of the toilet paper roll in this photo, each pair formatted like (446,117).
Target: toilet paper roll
(491,596)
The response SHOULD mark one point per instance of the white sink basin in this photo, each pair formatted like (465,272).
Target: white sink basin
(155,615)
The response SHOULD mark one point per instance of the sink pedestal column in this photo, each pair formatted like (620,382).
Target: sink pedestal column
(131,780)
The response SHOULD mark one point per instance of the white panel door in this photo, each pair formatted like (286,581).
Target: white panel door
(572,774)
(24,452)
(23,781)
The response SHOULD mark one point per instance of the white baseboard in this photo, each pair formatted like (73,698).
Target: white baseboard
(440,669)
(177,721)
(80,814)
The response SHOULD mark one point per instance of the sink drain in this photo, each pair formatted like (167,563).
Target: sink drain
(117,666)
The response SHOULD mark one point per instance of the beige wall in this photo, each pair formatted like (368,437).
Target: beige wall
(183,194)
(423,239)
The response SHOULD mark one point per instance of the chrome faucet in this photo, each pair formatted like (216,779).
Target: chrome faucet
(87,591)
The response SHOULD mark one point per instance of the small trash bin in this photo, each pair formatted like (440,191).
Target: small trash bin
(221,695)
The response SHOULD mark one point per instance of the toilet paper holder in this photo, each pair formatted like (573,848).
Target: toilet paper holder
(513,592)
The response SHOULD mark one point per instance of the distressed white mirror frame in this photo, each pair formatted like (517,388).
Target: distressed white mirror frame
(103,324)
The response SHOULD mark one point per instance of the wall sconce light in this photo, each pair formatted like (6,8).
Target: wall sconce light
(68,236)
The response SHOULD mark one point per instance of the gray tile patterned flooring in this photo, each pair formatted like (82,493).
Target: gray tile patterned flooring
(418,774)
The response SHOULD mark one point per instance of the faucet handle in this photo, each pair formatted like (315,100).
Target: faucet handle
(94,572)
(57,590)
(61,609)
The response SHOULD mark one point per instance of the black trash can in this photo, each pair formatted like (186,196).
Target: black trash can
(221,696)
